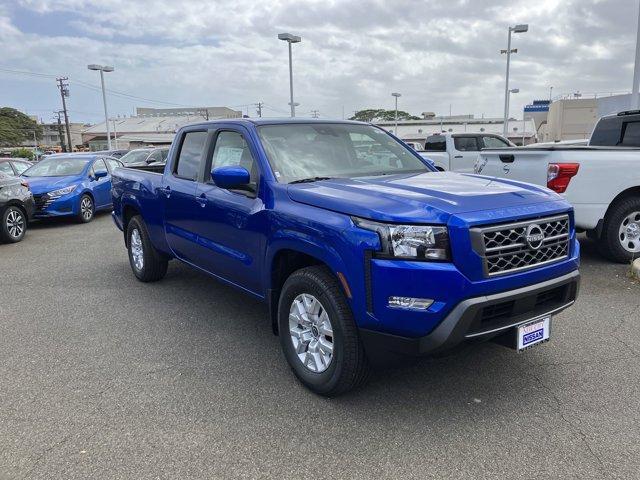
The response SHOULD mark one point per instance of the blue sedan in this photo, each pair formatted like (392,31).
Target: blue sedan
(71,185)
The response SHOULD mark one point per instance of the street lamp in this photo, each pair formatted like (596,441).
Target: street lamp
(522,28)
(506,120)
(289,38)
(102,69)
(396,117)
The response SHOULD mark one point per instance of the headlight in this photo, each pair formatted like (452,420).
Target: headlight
(416,242)
(62,191)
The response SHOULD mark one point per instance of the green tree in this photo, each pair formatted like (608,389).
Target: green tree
(380,114)
(23,153)
(16,127)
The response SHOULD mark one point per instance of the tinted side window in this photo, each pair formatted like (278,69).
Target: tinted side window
(466,144)
(494,142)
(631,135)
(436,143)
(191,155)
(607,132)
(99,166)
(232,150)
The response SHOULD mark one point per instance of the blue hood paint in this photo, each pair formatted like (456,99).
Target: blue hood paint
(422,198)
(40,185)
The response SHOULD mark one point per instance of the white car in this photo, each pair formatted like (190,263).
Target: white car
(459,151)
(601,180)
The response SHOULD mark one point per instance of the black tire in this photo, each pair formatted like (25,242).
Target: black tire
(86,215)
(154,264)
(14,225)
(610,243)
(349,367)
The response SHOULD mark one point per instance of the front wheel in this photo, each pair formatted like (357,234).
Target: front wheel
(318,334)
(620,239)
(87,209)
(147,263)
(14,225)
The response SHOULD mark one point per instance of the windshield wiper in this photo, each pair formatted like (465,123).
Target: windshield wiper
(311,179)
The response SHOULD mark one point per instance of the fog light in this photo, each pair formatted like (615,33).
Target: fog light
(410,303)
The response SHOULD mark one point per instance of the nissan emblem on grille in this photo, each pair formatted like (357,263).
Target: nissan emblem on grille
(534,236)
(521,245)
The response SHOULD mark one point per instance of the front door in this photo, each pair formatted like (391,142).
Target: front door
(100,187)
(465,154)
(179,193)
(231,224)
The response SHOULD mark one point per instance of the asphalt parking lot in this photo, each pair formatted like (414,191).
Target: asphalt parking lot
(106,377)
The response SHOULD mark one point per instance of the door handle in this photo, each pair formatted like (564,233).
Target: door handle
(202,200)
(507,158)
(166,191)
(458,156)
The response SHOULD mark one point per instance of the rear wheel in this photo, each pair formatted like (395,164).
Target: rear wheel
(620,240)
(87,209)
(147,263)
(14,225)
(318,335)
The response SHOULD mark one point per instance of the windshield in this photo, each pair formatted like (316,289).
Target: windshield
(57,167)
(135,156)
(302,151)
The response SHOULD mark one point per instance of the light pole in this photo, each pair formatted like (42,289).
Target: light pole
(102,69)
(396,95)
(635,92)
(517,29)
(289,38)
(506,120)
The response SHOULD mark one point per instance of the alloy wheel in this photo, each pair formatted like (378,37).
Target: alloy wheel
(137,250)
(86,208)
(629,233)
(311,332)
(15,223)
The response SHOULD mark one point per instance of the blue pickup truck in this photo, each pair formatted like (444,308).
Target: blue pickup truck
(360,248)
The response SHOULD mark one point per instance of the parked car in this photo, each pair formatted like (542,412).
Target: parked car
(358,255)
(459,151)
(16,208)
(14,166)
(145,156)
(71,185)
(601,180)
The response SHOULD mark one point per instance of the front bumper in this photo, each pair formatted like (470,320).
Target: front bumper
(56,207)
(481,318)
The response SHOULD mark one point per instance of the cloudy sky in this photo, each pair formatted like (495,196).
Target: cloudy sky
(354,53)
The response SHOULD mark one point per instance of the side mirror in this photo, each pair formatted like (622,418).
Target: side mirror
(100,174)
(231,177)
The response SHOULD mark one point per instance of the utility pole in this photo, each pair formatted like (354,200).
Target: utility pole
(315,114)
(63,85)
(63,147)
(259,109)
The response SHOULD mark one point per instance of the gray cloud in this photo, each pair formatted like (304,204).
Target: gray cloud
(354,53)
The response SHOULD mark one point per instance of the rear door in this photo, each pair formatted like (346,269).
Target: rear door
(230,226)
(464,157)
(181,211)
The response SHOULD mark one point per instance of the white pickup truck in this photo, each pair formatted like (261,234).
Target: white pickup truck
(459,151)
(601,180)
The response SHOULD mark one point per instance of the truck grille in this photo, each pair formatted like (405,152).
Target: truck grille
(522,245)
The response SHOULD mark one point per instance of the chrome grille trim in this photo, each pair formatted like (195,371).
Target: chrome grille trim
(504,248)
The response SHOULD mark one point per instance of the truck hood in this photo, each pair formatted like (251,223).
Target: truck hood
(422,198)
(40,185)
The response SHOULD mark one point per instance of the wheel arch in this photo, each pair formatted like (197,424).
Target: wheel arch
(284,259)
(625,194)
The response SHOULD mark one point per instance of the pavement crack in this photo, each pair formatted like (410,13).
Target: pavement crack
(574,428)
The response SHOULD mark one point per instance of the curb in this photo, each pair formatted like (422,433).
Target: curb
(635,269)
